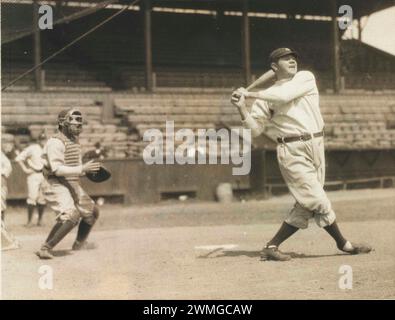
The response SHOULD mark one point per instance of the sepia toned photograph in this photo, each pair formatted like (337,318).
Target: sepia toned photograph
(197,150)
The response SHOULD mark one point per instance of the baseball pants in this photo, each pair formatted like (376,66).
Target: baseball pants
(35,186)
(302,165)
(61,201)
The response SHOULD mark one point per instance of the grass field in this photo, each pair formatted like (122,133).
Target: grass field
(209,251)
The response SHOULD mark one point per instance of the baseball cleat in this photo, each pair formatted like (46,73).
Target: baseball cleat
(77,245)
(83,246)
(272,253)
(44,254)
(358,248)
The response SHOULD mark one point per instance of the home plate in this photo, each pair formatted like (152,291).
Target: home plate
(217,246)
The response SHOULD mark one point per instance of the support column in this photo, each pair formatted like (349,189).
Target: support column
(264,174)
(360,29)
(219,32)
(246,52)
(147,8)
(37,47)
(336,48)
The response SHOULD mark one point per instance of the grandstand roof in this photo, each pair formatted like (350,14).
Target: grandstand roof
(303,7)
(292,7)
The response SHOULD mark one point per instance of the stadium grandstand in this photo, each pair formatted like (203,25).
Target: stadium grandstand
(179,60)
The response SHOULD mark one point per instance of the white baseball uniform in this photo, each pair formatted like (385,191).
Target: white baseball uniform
(6,170)
(32,156)
(292,106)
(65,194)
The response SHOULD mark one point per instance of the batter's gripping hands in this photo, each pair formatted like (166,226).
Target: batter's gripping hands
(237,96)
(267,77)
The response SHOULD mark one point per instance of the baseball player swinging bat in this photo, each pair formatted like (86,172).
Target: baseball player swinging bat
(267,76)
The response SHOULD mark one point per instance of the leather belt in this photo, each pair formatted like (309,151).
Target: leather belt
(303,137)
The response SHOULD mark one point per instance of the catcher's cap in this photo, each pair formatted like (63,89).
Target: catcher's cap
(281,52)
(62,116)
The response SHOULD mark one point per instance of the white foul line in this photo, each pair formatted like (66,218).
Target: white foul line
(217,246)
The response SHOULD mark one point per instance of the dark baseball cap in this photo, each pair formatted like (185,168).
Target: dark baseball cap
(42,136)
(281,52)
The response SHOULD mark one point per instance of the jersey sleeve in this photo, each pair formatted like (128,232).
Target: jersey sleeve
(24,155)
(6,167)
(301,84)
(54,150)
(255,120)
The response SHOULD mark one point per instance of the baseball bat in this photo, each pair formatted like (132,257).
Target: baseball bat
(267,76)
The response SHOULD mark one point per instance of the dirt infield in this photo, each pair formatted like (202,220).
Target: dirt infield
(209,251)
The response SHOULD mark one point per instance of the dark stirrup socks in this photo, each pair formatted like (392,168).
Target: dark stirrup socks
(30,211)
(286,230)
(335,233)
(40,208)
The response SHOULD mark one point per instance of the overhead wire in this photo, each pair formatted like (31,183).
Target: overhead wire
(24,74)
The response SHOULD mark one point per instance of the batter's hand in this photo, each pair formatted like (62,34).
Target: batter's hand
(243,91)
(91,166)
(238,99)
(238,93)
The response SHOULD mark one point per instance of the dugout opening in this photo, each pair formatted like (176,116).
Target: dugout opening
(178,195)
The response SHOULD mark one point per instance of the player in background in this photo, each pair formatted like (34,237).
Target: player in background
(31,162)
(99,153)
(6,170)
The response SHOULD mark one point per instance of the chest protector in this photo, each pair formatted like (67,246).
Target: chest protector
(72,154)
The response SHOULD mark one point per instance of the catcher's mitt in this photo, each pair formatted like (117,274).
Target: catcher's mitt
(99,176)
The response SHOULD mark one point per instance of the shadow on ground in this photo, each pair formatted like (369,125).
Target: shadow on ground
(257,254)
(61,253)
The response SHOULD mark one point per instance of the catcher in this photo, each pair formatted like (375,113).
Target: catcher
(62,170)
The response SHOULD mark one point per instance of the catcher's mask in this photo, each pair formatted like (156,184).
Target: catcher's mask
(71,121)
